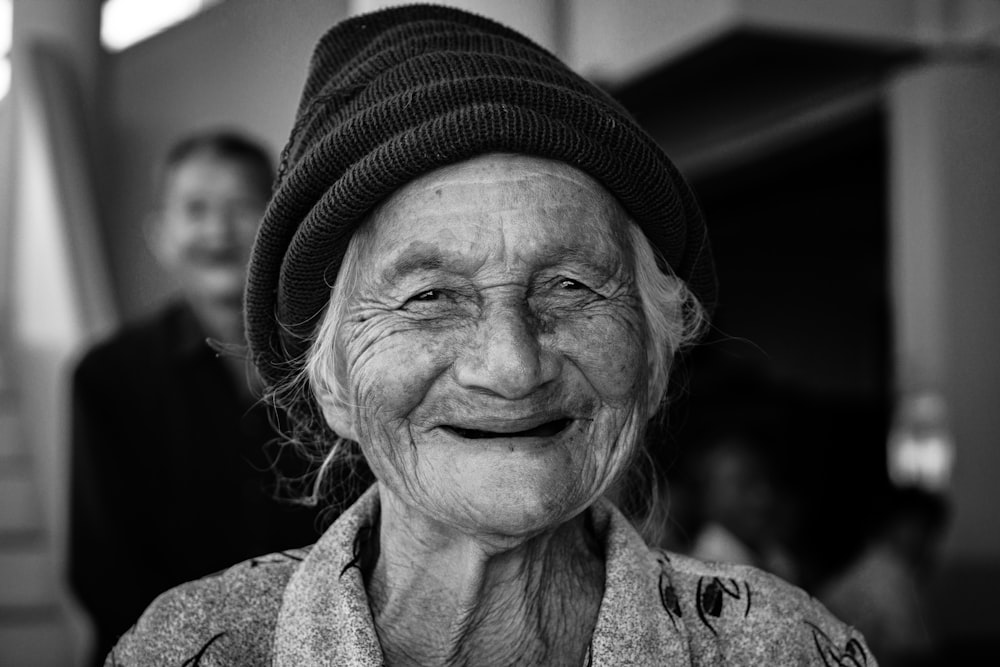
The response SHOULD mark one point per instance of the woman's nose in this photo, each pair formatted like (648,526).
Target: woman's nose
(506,356)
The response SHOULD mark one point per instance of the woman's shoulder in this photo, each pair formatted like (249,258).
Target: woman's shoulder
(743,613)
(227,618)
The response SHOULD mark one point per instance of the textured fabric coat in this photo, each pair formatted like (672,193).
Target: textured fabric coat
(308,607)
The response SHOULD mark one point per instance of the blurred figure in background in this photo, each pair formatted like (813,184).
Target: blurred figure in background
(172,478)
(882,592)
(739,499)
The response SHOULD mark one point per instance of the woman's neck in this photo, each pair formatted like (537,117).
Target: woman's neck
(442,598)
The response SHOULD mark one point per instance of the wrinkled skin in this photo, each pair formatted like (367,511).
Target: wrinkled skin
(497,295)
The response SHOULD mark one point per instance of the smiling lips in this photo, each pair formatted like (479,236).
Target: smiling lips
(545,430)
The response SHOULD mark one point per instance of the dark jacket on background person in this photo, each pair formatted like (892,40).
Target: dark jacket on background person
(172,475)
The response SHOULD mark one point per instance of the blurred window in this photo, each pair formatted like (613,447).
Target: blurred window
(125,22)
(921,449)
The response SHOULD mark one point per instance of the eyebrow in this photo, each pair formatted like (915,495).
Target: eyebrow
(413,262)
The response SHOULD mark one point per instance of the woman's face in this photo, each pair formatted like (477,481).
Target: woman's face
(493,348)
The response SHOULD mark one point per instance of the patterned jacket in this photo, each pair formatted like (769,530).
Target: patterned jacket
(308,607)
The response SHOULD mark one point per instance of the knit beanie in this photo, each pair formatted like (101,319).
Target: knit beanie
(395,94)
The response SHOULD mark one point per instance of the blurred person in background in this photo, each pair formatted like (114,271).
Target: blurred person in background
(883,591)
(743,518)
(172,476)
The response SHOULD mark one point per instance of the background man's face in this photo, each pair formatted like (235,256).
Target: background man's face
(209,216)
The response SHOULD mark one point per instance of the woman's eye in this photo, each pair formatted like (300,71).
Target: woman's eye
(568,283)
(437,303)
(432,297)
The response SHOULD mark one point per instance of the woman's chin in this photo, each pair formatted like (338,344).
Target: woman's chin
(507,514)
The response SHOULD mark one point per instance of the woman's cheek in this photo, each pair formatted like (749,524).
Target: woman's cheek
(395,372)
(611,352)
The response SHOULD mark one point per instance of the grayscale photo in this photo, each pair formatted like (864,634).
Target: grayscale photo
(499,332)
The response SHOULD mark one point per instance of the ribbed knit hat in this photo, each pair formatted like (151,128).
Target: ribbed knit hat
(395,94)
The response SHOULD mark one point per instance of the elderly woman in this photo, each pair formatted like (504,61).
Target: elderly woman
(475,271)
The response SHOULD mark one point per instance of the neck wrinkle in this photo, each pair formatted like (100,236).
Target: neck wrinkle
(462,601)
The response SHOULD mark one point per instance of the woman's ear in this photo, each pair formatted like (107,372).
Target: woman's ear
(339,417)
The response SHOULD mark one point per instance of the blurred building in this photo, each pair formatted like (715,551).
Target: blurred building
(845,154)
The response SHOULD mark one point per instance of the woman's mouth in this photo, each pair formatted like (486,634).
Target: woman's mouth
(546,430)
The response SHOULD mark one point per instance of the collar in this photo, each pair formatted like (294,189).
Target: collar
(325,617)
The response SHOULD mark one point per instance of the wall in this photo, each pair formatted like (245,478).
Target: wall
(946,148)
(945,161)
(241,63)
(56,291)
(538,19)
(612,41)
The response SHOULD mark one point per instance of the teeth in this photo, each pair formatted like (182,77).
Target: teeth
(542,431)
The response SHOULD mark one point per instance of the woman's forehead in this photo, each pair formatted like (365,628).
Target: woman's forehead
(531,202)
